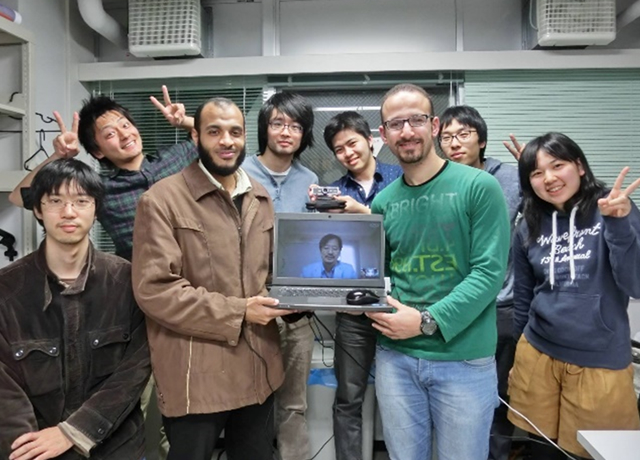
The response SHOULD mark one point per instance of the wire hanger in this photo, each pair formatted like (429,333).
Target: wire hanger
(42,136)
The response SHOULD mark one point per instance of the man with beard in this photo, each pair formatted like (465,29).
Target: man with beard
(447,235)
(201,258)
(285,130)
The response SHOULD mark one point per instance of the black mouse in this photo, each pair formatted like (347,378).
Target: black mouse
(362,297)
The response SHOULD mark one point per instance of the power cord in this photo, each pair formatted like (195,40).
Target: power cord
(337,343)
(537,429)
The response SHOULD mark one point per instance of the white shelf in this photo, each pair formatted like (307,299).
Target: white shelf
(9,179)
(382,62)
(13,34)
(11,110)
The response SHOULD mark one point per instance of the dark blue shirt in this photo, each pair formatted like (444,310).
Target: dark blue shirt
(383,176)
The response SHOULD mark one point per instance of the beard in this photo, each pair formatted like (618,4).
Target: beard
(217,170)
(417,155)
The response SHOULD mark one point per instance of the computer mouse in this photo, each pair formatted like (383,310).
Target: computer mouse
(362,297)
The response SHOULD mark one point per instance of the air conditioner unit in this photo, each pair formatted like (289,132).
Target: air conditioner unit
(165,28)
(576,22)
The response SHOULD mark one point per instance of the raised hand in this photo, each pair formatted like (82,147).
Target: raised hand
(66,143)
(175,113)
(515,148)
(617,203)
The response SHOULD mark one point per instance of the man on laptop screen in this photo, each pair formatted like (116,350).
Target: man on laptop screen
(330,266)
(351,256)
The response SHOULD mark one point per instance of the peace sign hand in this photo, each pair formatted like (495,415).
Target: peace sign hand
(617,203)
(175,114)
(66,143)
(515,148)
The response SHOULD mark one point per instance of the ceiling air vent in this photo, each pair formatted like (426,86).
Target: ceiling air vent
(576,22)
(165,28)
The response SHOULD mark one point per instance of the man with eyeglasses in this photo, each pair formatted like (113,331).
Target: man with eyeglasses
(330,266)
(285,131)
(349,137)
(463,139)
(74,358)
(447,235)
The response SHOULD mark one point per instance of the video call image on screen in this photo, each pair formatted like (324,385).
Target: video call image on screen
(331,249)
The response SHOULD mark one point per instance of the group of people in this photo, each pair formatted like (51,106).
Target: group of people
(481,255)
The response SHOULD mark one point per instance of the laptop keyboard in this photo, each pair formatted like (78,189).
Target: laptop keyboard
(297,291)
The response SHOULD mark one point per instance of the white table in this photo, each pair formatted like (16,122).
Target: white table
(611,445)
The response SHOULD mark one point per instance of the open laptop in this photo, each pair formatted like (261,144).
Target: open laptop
(319,258)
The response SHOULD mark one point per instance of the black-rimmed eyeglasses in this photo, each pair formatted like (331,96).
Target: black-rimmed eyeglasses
(277,125)
(415,121)
(462,136)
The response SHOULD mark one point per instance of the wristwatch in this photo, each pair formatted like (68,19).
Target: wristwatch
(428,325)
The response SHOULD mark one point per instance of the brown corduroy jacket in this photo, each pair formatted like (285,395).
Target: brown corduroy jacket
(77,355)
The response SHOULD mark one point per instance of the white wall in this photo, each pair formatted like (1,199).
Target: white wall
(306,27)
(60,44)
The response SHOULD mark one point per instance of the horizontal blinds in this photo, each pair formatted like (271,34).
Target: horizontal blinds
(599,109)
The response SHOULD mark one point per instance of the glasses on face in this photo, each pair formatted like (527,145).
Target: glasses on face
(415,121)
(58,204)
(277,125)
(462,136)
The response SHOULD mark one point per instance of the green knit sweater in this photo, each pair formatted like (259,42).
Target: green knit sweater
(447,243)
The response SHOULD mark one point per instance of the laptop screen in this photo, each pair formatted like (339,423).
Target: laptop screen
(324,249)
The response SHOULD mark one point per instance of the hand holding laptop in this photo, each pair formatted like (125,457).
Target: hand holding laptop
(260,310)
(404,323)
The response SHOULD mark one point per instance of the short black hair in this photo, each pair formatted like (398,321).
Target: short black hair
(92,109)
(294,106)
(328,237)
(343,121)
(466,116)
(218,102)
(58,173)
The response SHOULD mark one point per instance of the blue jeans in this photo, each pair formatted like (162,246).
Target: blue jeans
(456,399)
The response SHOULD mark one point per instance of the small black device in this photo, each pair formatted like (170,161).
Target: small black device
(324,199)
(320,191)
(362,297)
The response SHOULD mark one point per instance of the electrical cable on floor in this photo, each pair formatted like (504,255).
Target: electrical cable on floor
(537,429)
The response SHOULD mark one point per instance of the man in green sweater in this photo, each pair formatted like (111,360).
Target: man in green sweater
(447,235)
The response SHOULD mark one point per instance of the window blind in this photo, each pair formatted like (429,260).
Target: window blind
(599,109)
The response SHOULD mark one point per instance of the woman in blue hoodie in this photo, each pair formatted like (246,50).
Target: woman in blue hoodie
(576,262)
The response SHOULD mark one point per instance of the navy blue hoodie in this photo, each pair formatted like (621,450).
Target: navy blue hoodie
(573,306)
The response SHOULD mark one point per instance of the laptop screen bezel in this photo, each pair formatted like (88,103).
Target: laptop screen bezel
(327,282)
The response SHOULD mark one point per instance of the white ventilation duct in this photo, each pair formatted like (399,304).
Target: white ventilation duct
(94,15)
